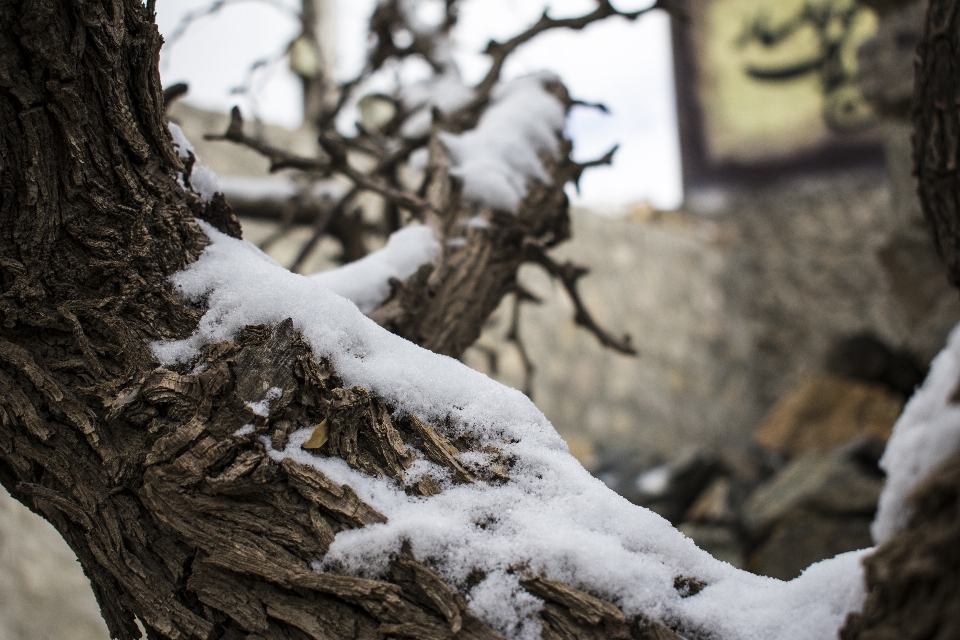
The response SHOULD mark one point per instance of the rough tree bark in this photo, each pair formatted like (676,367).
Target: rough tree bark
(913,580)
(176,520)
(936,142)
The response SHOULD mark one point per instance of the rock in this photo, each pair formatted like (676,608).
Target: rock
(670,489)
(805,538)
(719,541)
(827,411)
(867,358)
(713,505)
(829,484)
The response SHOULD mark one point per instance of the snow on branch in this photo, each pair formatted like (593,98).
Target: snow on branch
(366,282)
(546,519)
(197,177)
(496,159)
(443,152)
(925,436)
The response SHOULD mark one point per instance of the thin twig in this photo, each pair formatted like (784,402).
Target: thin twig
(599,106)
(569,274)
(279,158)
(521,295)
(335,146)
(320,228)
(580,167)
(174,92)
(499,51)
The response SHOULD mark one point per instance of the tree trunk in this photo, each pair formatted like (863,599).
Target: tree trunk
(936,119)
(176,513)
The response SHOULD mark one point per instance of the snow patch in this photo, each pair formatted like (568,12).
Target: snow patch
(262,407)
(366,282)
(202,178)
(497,158)
(927,433)
(245,430)
(204,181)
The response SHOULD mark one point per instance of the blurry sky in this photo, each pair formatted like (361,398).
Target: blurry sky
(627,66)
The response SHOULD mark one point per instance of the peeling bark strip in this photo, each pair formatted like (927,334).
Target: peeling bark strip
(159,479)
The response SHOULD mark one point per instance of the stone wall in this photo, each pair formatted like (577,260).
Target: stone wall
(730,305)
(43,592)
(663,280)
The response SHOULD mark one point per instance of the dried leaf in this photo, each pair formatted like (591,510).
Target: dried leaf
(319,436)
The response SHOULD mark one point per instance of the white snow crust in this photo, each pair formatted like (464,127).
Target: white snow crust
(202,178)
(366,282)
(927,433)
(552,518)
(184,147)
(497,158)
(244,430)
(262,407)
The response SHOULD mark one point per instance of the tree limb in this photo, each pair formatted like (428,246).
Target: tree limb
(569,275)
(500,51)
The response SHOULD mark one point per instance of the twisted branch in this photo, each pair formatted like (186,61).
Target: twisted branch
(500,51)
(569,275)
(521,295)
(337,162)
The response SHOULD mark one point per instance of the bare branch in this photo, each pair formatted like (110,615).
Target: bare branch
(521,295)
(173,93)
(337,149)
(499,51)
(569,274)
(279,158)
(335,146)
(599,106)
(580,167)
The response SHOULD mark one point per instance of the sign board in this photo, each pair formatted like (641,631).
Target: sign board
(768,87)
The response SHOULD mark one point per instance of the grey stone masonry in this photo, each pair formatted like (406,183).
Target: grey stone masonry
(730,303)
